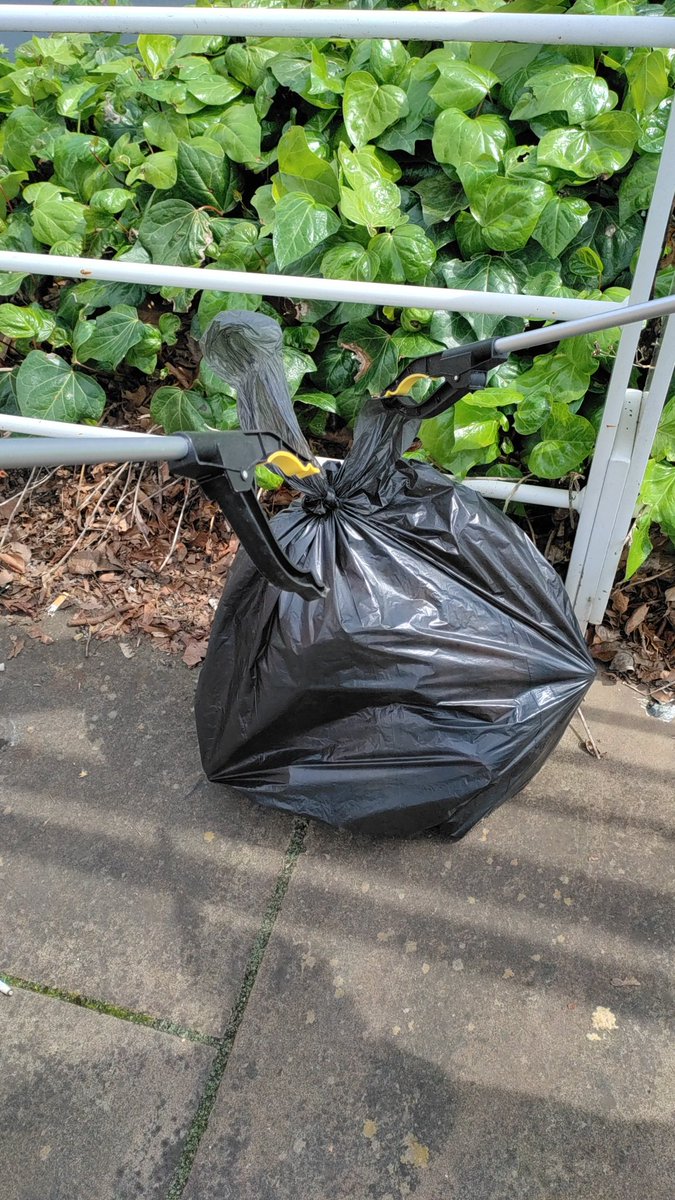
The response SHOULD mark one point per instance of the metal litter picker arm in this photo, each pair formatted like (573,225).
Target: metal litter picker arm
(464,369)
(222,463)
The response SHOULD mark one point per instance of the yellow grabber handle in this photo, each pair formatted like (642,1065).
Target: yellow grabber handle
(290,464)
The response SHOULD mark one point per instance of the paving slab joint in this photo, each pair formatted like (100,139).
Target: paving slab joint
(225,1044)
(159,1024)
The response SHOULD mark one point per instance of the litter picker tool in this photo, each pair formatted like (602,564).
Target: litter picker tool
(223,464)
(465,368)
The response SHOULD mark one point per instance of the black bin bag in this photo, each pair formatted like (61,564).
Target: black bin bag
(435,677)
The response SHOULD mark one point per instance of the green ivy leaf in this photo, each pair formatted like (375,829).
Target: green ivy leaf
(159,170)
(60,220)
(405,255)
(238,131)
(560,222)
(374,204)
(300,225)
(440,198)
(216,90)
(603,146)
(297,364)
(111,200)
(322,400)
(375,354)
(19,131)
(31,322)
(165,130)
(461,438)
(664,443)
(173,231)
(49,388)
(531,413)
(462,86)
(387,59)
(473,146)
(586,264)
(108,338)
(350,261)
(563,376)
(508,209)
(567,441)
(202,173)
(569,88)
(484,274)
(640,544)
(177,410)
(369,107)
(637,187)
(300,170)
(155,49)
(658,491)
(647,74)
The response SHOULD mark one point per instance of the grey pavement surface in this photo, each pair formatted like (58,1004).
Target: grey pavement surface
(125,876)
(91,1106)
(486,1019)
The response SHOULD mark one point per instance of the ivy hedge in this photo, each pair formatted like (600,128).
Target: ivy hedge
(498,167)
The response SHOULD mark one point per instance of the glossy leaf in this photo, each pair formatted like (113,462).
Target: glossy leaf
(561,220)
(471,145)
(31,322)
(567,441)
(405,254)
(462,85)
(350,261)
(300,225)
(508,209)
(300,170)
(49,388)
(176,409)
(173,231)
(369,107)
(108,338)
(575,90)
(604,145)
(155,49)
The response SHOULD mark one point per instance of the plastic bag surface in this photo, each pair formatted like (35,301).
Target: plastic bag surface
(433,680)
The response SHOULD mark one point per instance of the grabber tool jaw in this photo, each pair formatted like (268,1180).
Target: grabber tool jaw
(223,464)
(463,369)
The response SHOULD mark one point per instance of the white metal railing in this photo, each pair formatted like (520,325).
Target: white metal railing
(629,420)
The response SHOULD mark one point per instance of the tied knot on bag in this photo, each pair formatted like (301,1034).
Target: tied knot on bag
(323,504)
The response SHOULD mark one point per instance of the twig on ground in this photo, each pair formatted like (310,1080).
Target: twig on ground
(590,740)
(177,530)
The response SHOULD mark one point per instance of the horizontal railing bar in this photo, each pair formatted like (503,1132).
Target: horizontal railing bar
(10,423)
(394,295)
(550,28)
(74,451)
(525,493)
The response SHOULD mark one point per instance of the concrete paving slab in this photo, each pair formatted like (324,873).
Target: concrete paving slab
(91,1107)
(123,875)
(483,1020)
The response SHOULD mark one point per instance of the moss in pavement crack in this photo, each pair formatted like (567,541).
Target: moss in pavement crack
(111,1010)
(208,1098)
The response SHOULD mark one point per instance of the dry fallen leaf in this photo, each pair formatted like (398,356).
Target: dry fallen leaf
(629,981)
(637,617)
(84,563)
(194,652)
(620,601)
(17,646)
